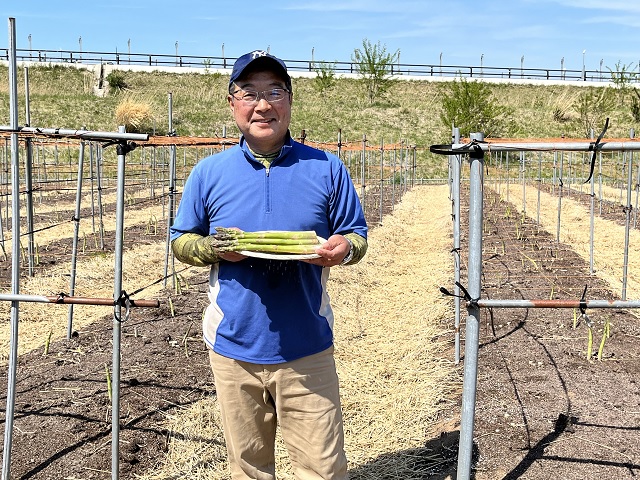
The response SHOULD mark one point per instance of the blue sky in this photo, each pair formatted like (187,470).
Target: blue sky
(460,32)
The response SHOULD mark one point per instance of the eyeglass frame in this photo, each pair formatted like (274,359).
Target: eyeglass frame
(260,94)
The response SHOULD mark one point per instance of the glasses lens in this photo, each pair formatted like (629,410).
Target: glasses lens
(250,96)
(275,94)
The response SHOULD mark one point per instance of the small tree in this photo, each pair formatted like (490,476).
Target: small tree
(325,76)
(594,104)
(622,78)
(470,106)
(374,65)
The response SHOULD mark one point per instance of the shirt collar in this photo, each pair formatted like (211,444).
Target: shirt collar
(286,148)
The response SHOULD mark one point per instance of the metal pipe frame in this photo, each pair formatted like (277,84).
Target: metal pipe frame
(80,134)
(561,303)
(470,378)
(585,146)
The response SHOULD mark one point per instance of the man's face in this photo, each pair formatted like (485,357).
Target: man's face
(263,124)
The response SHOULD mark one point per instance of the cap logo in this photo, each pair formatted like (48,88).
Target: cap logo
(258,53)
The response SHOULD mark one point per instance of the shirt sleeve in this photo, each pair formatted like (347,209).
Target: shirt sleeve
(360,246)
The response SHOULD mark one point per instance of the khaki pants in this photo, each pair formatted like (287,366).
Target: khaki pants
(301,396)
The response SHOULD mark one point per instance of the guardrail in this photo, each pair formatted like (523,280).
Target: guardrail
(427,70)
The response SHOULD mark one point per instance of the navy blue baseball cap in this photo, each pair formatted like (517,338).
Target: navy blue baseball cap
(256,59)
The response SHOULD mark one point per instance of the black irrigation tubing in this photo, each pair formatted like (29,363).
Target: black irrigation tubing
(161,279)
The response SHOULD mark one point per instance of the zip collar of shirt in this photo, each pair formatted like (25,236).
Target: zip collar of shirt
(267,160)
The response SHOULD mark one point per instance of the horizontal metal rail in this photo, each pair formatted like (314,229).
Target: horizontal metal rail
(214,62)
(498,303)
(80,134)
(616,145)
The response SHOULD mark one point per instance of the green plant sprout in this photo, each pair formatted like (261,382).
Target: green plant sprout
(106,369)
(152,224)
(185,338)
(171,309)
(47,343)
(606,333)
(589,342)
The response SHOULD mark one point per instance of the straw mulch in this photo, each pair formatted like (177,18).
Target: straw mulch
(143,265)
(393,341)
(575,227)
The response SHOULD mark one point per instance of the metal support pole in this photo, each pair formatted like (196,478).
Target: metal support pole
(560,191)
(381,179)
(28,180)
(117,312)
(363,183)
(81,133)
(524,182)
(544,303)
(100,203)
(625,263)
(74,246)
(15,255)
(28,162)
(172,195)
(456,161)
(471,346)
(539,187)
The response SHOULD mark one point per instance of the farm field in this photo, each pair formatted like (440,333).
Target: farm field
(166,373)
(544,410)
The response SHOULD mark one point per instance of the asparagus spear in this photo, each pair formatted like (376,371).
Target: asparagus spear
(269,241)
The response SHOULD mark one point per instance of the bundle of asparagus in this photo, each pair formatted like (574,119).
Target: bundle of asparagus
(269,241)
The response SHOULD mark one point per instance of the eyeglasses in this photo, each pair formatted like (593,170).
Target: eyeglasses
(251,97)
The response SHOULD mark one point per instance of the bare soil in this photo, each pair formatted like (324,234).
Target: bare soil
(544,411)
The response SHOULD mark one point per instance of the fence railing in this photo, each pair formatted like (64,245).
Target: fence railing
(425,70)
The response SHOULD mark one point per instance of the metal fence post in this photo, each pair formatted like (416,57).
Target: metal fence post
(15,255)
(455,196)
(471,345)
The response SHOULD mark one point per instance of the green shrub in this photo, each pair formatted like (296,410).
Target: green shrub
(593,106)
(325,76)
(116,81)
(471,107)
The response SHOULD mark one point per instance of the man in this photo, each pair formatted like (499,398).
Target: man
(269,325)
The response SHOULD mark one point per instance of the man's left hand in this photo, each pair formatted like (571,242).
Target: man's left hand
(331,252)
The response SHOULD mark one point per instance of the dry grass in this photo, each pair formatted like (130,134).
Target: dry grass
(142,266)
(410,111)
(392,333)
(135,113)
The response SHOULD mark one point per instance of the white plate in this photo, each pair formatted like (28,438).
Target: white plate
(283,256)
